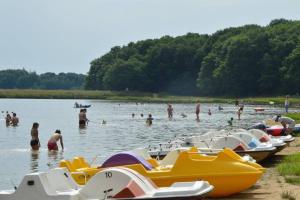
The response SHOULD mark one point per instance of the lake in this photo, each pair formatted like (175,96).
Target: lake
(122,132)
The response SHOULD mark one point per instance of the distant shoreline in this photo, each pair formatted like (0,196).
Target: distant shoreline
(135,97)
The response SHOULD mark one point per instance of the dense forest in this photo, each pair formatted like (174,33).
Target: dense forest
(22,79)
(246,60)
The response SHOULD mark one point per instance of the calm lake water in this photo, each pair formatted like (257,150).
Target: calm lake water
(122,132)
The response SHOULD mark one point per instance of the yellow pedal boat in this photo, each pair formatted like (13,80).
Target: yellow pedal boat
(227,171)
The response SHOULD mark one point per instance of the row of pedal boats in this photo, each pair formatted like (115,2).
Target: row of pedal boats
(216,164)
(253,143)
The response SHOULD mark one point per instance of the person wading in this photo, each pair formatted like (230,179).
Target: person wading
(52,142)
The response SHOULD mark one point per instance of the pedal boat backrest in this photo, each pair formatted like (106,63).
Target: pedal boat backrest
(126,158)
(116,182)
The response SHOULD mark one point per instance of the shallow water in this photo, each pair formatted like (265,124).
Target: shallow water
(122,132)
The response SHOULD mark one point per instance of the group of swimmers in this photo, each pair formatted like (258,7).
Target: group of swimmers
(52,142)
(11,119)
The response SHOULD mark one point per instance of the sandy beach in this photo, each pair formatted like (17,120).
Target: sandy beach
(272,185)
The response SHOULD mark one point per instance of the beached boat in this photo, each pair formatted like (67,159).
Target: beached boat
(212,142)
(265,138)
(112,183)
(227,172)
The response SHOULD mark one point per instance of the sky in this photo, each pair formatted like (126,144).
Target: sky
(66,35)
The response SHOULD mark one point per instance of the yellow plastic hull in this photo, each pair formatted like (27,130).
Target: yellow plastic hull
(228,174)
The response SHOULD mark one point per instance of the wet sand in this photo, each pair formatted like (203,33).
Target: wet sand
(272,185)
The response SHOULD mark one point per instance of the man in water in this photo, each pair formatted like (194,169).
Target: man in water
(286,122)
(52,143)
(15,120)
(82,118)
(197,111)
(170,111)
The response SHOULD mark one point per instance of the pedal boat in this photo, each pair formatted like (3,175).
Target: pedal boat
(227,172)
(214,141)
(265,138)
(275,130)
(113,183)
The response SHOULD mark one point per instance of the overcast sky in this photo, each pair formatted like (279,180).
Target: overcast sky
(65,35)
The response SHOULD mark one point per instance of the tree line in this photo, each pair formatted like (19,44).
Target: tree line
(246,60)
(22,79)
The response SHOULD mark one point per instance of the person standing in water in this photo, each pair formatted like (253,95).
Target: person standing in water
(197,111)
(209,112)
(149,120)
(286,103)
(52,143)
(35,141)
(239,112)
(15,120)
(82,118)
(7,119)
(170,111)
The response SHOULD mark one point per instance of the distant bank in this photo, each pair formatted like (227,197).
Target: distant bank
(134,96)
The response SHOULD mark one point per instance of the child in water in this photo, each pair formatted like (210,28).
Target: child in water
(230,121)
(209,112)
(149,120)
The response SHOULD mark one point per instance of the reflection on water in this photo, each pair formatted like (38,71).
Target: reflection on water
(54,157)
(34,164)
(82,129)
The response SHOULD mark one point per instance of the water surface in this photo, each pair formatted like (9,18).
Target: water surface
(122,132)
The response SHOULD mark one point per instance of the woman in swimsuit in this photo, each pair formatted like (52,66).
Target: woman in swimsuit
(35,141)
(52,143)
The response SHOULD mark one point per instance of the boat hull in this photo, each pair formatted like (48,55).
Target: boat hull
(227,172)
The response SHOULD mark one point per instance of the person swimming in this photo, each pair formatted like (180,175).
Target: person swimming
(35,141)
(230,121)
(52,142)
(183,115)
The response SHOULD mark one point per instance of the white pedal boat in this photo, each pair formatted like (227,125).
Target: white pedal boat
(113,183)
(260,133)
(213,142)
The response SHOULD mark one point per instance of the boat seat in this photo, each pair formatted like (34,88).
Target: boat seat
(79,162)
(126,158)
(170,159)
(142,152)
(67,164)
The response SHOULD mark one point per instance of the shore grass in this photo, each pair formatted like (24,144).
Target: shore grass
(134,96)
(290,168)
